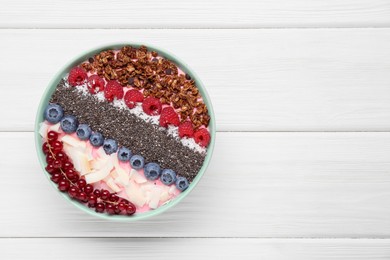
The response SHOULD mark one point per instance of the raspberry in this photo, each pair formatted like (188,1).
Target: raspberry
(77,76)
(132,96)
(169,116)
(95,84)
(202,137)
(186,129)
(113,90)
(151,106)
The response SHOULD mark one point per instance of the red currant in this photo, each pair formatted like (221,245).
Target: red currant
(92,199)
(113,198)
(57,164)
(56,177)
(88,189)
(63,185)
(82,196)
(71,174)
(45,148)
(67,165)
(110,208)
(52,136)
(49,158)
(97,193)
(56,145)
(81,183)
(50,169)
(121,207)
(61,156)
(105,195)
(130,209)
(73,191)
(100,207)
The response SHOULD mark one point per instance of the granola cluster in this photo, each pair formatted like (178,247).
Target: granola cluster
(156,76)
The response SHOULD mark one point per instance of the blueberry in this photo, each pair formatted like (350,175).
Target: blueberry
(53,113)
(168,176)
(152,171)
(69,124)
(83,131)
(181,183)
(110,146)
(137,162)
(124,154)
(96,139)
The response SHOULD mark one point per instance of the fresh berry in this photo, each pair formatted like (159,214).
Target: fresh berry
(130,209)
(152,171)
(73,191)
(63,185)
(169,116)
(81,183)
(50,169)
(168,176)
(82,196)
(105,195)
(113,198)
(110,208)
(56,177)
(124,154)
(137,162)
(61,156)
(57,164)
(121,207)
(110,146)
(56,146)
(45,148)
(71,174)
(83,131)
(100,207)
(50,158)
(92,200)
(132,96)
(67,165)
(96,139)
(88,189)
(97,193)
(186,129)
(113,90)
(181,183)
(95,84)
(69,124)
(53,113)
(52,136)
(202,137)
(77,76)
(151,106)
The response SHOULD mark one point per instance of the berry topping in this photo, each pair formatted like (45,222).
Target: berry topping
(88,189)
(151,106)
(110,146)
(202,137)
(152,171)
(181,183)
(132,96)
(83,131)
(124,154)
(69,124)
(100,207)
(63,185)
(95,84)
(52,136)
(53,113)
(169,116)
(105,195)
(137,162)
(96,139)
(77,76)
(168,176)
(130,209)
(186,129)
(113,90)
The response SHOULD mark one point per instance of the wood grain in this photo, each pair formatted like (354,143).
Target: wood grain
(258,185)
(259,80)
(194,14)
(192,248)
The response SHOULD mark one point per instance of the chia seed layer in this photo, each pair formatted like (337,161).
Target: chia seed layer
(143,138)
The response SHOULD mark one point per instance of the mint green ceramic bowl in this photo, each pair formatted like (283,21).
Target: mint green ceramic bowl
(51,87)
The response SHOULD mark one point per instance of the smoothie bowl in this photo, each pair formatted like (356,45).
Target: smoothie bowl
(125,131)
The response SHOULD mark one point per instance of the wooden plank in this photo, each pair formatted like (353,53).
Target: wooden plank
(194,248)
(258,185)
(194,14)
(259,80)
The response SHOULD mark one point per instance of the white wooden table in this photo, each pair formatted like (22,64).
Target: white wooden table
(301,91)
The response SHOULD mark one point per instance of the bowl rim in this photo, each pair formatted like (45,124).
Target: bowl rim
(84,56)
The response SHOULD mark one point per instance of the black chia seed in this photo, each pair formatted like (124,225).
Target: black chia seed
(141,137)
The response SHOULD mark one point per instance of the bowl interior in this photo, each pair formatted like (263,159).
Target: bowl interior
(50,89)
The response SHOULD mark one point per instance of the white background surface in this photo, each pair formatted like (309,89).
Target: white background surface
(301,91)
